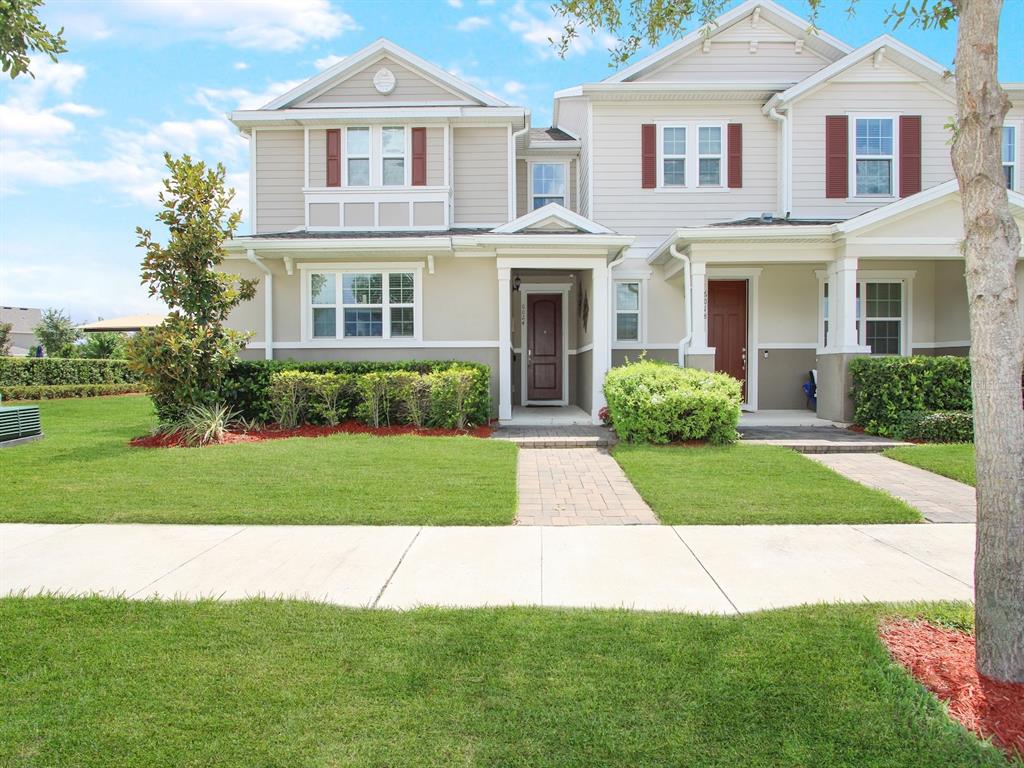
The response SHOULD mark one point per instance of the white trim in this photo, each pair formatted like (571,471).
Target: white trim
(640,311)
(894,158)
(939,344)
(589,213)
(530,194)
(753,276)
(253,224)
(657,345)
(1018,149)
(562,289)
(581,350)
(552,212)
(339,269)
(346,182)
(692,157)
(504,343)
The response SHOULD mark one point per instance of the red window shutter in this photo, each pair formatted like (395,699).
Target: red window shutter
(649,156)
(837,156)
(910,155)
(735,141)
(334,157)
(419,157)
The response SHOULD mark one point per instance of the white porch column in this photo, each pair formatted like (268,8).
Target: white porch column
(504,344)
(699,310)
(842,309)
(602,338)
(268,315)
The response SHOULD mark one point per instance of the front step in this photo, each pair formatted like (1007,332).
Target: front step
(556,437)
(827,446)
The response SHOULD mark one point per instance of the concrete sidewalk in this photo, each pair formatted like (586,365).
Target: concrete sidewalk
(707,569)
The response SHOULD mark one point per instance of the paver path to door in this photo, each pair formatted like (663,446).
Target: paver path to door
(577,486)
(939,499)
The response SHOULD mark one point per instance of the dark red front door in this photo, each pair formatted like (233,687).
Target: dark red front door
(727,327)
(544,346)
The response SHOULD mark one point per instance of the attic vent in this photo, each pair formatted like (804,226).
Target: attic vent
(767,218)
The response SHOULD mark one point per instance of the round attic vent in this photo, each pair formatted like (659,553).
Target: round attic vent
(384,81)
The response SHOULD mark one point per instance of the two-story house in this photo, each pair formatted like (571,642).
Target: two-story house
(753,198)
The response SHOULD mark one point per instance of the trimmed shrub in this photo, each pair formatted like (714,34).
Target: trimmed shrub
(247,384)
(654,402)
(938,427)
(58,391)
(50,371)
(886,390)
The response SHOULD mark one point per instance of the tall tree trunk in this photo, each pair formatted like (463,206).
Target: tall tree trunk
(991,250)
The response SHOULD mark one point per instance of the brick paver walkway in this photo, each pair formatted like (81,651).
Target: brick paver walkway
(577,486)
(939,499)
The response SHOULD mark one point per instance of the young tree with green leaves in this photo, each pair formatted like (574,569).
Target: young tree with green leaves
(183,360)
(103,345)
(991,249)
(6,338)
(57,333)
(21,32)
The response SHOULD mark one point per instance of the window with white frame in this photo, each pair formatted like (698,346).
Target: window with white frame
(547,184)
(881,311)
(357,157)
(392,154)
(1010,155)
(874,144)
(365,304)
(709,154)
(627,310)
(673,156)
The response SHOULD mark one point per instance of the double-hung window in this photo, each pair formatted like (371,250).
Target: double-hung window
(627,310)
(673,156)
(1010,155)
(874,156)
(365,304)
(709,154)
(547,184)
(881,312)
(392,154)
(357,157)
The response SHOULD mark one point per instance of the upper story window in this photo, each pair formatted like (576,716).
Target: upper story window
(691,155)
(1010,155)
(365,304)
(709,149)
(873,156)
(673,156)
(357,157)
(392,153)
(547,184)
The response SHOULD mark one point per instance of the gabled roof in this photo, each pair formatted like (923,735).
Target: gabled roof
(360,59)
(820,42)
(552,214)
(903,55)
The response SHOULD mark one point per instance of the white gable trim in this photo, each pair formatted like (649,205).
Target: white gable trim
(776,14)
(549,214)
(822,76)
(382,47)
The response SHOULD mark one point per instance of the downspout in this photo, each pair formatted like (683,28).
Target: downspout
(512,166)
(787,182)
(268,303)
(687,293)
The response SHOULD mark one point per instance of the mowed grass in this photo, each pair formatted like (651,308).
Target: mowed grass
(955,461)
(92,682)
(84,471)
(751,484)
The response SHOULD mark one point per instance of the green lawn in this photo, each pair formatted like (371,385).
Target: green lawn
(955,461)
(85,471)
(749,484)
(91,682)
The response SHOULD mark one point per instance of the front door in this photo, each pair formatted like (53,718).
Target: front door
(727,327)
(544,346)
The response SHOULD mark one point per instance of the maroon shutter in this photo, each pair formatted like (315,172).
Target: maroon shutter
(837,157)
(419,157)
(648,156)
(735,140)
(334,157)
(910,155)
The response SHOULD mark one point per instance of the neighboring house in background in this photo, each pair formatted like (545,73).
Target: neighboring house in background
(757,200)
(24,320)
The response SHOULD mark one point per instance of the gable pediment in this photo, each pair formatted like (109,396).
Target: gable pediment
(552,218)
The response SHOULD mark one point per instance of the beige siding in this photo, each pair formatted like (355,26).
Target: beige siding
(884,97)
(318,157)
(435,157)
(409,87)
(280,173)
(573,118)
(621,204)
(522,187)
(481,175)
(773,62)
(574,190)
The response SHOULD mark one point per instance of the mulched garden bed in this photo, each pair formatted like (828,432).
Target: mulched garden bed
(273,432)
(942,660)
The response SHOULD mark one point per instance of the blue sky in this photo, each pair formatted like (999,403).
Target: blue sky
(81,145)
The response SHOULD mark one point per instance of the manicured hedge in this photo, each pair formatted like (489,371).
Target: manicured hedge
(886,390)
(58,391)
(653,402)
(248,385)
(51,371)
(938,427)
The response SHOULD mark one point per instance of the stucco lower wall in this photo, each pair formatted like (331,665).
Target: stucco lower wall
(584,380)
(781,374)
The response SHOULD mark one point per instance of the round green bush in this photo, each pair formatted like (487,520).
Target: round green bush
(652,402)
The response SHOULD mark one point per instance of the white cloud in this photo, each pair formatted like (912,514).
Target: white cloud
(471,23)
(455,3)
(240,65)
(221,100)
(514,87)
(540,31)
(24,119)
(328,61)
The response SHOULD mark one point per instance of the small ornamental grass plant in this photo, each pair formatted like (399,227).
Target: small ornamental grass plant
(653,402)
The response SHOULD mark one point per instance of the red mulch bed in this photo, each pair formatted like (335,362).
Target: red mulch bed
(273,432)
(942,660)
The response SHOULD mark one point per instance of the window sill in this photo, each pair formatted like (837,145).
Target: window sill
(872,199)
